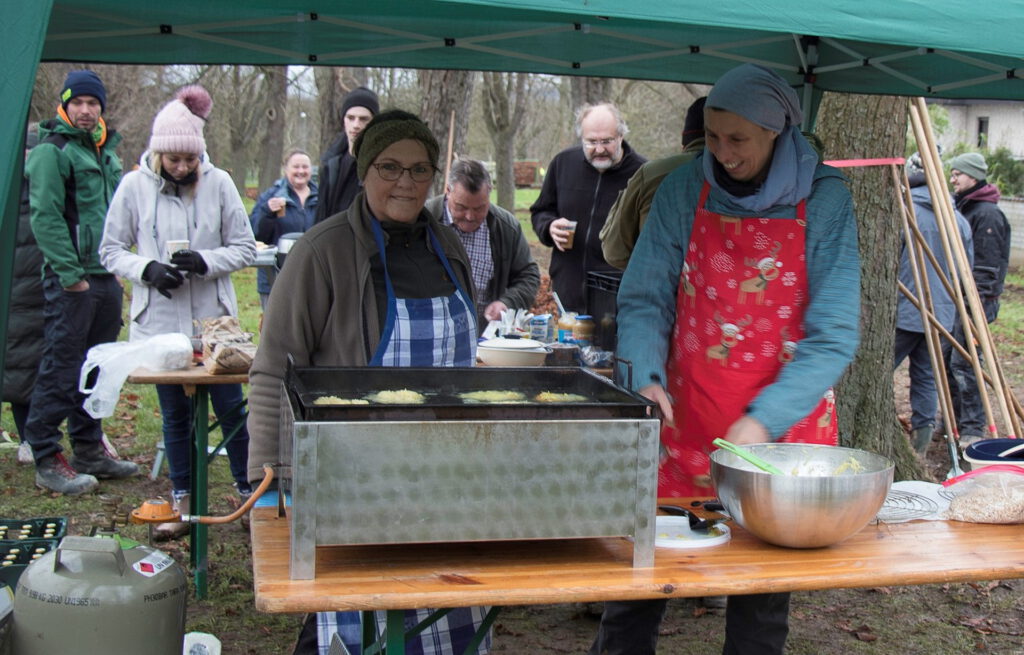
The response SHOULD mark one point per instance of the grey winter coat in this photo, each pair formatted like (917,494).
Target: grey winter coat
(146,212)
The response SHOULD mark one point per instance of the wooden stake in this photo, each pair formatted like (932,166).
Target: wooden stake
(944,210)
(448,154)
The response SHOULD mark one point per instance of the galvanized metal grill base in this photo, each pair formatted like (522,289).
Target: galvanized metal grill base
(387,482)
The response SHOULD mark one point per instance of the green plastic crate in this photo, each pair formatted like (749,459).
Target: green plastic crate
(35,528)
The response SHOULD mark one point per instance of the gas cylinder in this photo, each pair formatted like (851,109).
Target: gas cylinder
(95,596)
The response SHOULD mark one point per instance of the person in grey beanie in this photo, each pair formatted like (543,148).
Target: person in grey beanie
(339,184)
(977,200)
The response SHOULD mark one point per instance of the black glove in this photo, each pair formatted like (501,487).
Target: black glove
(162,277)
(189,260)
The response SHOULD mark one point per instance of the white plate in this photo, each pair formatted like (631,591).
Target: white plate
(501,343)
(675,532)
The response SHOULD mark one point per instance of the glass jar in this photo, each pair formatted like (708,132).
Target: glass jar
(565,327)
(583,330)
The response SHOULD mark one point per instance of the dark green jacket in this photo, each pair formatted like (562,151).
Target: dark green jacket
(71,182)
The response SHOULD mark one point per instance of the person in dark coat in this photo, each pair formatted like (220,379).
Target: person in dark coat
(504,273)
(339,182)
(579,188)
(977,200)
(25,325)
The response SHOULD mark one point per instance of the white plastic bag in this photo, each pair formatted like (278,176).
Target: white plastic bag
(116,360)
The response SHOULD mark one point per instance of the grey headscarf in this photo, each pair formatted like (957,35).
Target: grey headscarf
(763,98)
(759,95)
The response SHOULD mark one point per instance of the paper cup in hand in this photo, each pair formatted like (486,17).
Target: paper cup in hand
(171,247)
(571,228)
(280,212)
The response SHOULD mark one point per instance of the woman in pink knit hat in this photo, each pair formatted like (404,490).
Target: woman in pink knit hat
(189,230)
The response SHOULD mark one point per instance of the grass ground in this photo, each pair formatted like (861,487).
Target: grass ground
(984,617)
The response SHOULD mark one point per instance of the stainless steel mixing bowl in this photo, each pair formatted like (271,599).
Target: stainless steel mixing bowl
(825,494)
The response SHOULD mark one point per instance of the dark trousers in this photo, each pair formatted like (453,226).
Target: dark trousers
(20,413)
(963,384)
(924,400)
(73,323)
(755,624)
(176,410)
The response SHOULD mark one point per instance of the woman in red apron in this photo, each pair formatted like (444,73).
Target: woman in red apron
(738,311)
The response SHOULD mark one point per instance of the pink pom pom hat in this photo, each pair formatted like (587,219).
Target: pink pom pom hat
(178,127)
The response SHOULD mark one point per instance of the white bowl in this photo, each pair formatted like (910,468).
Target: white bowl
(512,352)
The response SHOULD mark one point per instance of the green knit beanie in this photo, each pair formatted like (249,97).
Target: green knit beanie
(390,127)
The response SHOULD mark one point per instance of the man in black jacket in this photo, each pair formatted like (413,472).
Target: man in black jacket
(976,199)
(504,273)
(338,183)
(579,188)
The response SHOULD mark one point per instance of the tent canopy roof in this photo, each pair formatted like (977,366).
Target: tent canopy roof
(940,48)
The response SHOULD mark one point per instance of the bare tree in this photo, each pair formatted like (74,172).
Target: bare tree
(504,104)
(274,100)
(859,126)
(590,90)
(444,93)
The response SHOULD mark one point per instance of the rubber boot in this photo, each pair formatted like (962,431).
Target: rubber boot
(54,473)
(92,458)
(166,531)
(922,438)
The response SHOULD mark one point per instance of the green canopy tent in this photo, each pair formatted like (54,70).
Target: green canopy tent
(932,48)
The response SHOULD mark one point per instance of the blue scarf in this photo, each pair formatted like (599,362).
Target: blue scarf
(790,174)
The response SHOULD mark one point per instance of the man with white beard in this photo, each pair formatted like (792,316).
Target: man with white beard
(580,187)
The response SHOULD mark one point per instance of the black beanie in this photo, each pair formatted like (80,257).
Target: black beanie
(693,126)
(360,97)
(83,83)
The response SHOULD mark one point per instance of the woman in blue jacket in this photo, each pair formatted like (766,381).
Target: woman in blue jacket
(287,206)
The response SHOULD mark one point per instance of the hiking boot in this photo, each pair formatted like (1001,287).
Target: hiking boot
(93,458)
(166,531)
(244,495)
(54,473)
(922,438)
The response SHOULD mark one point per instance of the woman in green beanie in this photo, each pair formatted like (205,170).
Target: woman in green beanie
(362,288)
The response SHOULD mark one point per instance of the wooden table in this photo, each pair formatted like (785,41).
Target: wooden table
(582,570)
(195,380)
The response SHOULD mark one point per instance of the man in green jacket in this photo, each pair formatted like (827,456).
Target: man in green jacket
(72,174)
(627,215)
(504,272)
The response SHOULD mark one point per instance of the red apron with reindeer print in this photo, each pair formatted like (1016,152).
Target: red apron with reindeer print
(739,318)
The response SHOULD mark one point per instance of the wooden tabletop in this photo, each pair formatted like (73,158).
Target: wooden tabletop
(584,570)
(193,375)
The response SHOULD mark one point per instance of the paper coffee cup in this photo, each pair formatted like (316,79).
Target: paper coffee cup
(171,247)
(571,227)
(281,212)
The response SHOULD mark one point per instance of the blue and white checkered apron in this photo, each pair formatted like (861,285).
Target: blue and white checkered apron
(419,332)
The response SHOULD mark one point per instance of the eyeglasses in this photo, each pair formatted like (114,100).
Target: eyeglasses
(392,172)
(593,143)
(956,174)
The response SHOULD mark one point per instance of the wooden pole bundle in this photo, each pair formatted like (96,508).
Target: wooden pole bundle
(974,322)
(916,258)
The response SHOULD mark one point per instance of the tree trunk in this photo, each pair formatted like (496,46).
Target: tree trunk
(446,92)
(860,126)
(275,98)
(504,99)
(238,140)
(590,90)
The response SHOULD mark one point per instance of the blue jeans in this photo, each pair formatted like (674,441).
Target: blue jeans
(755,624)
(176,409)
(924,400)
(73,323)
(963,384)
